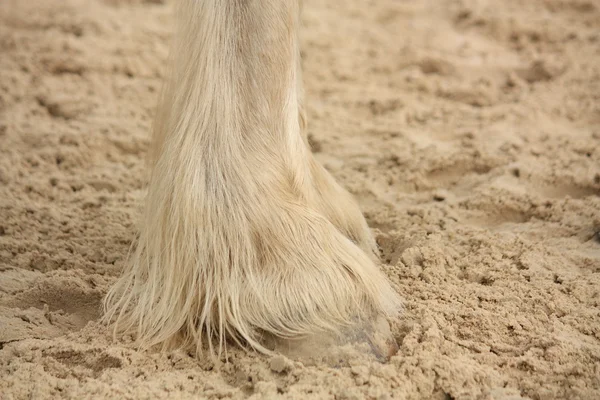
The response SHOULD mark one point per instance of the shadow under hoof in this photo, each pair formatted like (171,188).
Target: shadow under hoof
(371,341)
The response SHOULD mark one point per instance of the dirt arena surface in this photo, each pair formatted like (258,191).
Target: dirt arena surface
(469,131)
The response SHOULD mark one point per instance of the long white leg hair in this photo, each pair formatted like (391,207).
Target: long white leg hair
(234,240)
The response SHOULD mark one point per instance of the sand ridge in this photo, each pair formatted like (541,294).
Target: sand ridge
(468,131)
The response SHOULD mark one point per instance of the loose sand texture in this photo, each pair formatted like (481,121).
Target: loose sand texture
(469,131)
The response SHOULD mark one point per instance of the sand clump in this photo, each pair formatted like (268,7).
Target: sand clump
(468,131)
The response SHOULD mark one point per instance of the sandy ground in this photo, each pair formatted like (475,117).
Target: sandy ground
(468,130)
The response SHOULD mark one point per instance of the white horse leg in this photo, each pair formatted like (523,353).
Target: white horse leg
(243,232)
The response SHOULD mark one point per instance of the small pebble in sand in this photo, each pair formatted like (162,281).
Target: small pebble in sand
(280,364)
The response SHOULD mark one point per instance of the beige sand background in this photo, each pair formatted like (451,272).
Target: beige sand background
(468,130)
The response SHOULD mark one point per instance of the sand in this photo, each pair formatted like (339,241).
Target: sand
(469,131)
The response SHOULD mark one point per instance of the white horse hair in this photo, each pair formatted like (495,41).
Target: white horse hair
(243,233)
